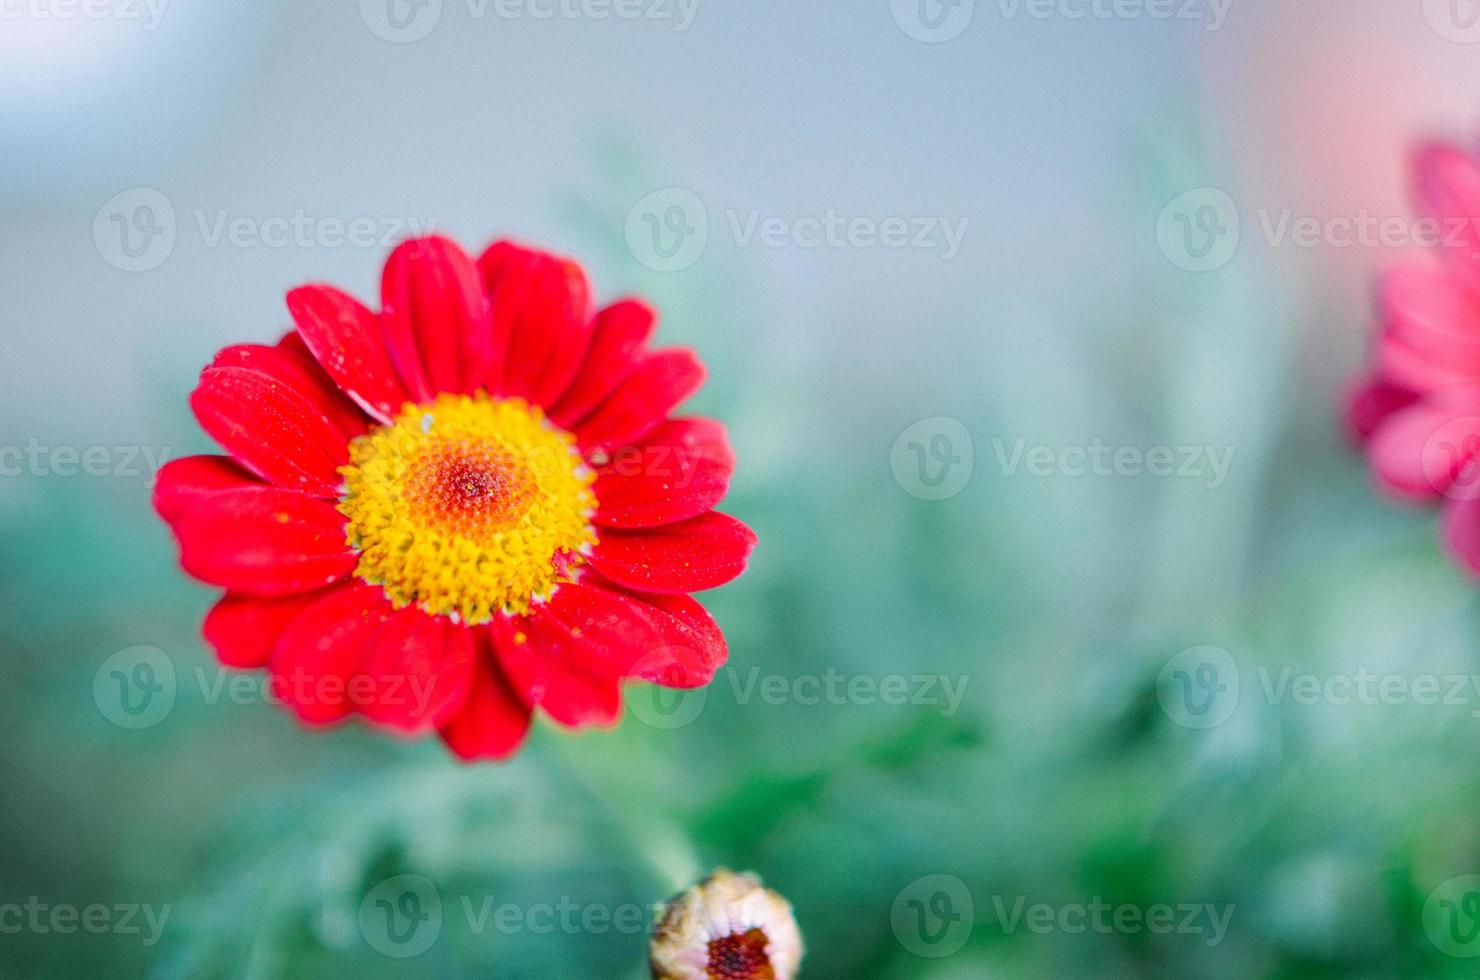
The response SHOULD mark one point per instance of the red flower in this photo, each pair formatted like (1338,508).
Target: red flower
(1418,413)
(469,505)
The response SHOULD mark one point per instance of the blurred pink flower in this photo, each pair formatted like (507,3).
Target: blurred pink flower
(1417,412)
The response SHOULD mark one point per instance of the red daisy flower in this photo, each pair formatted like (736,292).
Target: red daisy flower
(466,506)
(1417,413)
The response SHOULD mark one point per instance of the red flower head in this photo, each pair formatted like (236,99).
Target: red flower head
(469,505)
(1418,413)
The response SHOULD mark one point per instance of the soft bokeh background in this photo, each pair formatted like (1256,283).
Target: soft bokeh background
(1069,773)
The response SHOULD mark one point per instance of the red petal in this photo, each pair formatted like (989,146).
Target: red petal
(669,640)
(271,427)
(184,482)
(618,335)
(541,314)
(436,317)
(551,662)
(315,658)
(415,672)
(345,338)
(656,386)
(681,470)
(695,647)
(699,553)
(492,721)
(244,628)
(262,540)
(302,373)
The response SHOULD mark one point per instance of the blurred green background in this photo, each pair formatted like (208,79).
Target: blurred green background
(1053,745)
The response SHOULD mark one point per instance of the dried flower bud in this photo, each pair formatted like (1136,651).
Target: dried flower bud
(727,927)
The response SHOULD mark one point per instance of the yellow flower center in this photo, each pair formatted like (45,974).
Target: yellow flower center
(468,506)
